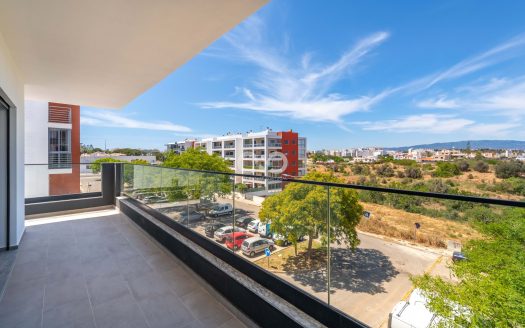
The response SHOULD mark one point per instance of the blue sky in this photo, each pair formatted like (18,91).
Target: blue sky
(343,74)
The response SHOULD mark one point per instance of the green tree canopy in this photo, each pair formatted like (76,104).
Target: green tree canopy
(446,170)
(196,185)
(491,283)
(509,169)
(302,209)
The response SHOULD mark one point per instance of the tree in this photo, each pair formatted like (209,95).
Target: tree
(481,167)
(413,173)
(385,170)
(509,169)
(490,282)
(241,187)
(446,170)
(196,185)
(302,209)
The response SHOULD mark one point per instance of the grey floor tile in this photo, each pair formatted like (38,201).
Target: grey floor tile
(133,266)
(121,312)
(165,311)
(162,262)
(72,314)
(233,323)
(28,316)
(147,285)
(61,292)
(207,310)
(28,271)
(105,289)
(22,294)
(100,267)
(181,282)
(64,269)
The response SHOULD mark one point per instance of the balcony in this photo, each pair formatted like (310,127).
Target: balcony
(99,269)
(259,144)
(151,261)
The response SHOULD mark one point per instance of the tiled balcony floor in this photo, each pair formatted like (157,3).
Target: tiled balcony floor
(103,271)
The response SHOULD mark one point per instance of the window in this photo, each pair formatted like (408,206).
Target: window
(59,155)
(286,142)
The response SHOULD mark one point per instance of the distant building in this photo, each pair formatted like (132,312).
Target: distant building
(180,146)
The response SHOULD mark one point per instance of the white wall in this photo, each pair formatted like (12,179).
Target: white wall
(12,85)
(36,149)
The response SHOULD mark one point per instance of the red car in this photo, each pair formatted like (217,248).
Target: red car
(239,238)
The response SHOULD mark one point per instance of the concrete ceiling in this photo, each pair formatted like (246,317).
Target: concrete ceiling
(104,53)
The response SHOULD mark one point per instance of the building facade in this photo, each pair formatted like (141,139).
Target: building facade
(264,153)
(52,148)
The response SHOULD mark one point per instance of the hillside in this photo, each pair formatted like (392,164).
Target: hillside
(474,144)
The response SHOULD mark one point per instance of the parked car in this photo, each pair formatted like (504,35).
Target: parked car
(221,233)
(254,226)
(234,240)
(255,245)
(458,256)
(191,217)
(221,209)
(210,228)
(277,238)
(264,230)
(243,222)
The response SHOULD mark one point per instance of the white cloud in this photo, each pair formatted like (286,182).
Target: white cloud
(504,51)
(427,123)
(493,130)
(441,102)
(299,90)
(106,118)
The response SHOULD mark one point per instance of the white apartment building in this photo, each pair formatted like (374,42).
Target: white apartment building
(254,153)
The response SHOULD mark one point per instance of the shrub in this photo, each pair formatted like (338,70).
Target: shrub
(400,174)
(385,170)
(446,170)
(413,173)
(481,166)
(470,176)
(464,166)
(505,170)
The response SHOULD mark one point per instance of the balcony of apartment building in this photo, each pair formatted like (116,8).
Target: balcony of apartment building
(259,154)
(247,143)
(274,143)
(259,142)
(216,145)
(247,154)
(229,144)
(229,154)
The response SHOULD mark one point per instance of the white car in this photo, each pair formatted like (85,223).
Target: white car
(221,209)
(220,234)
(253,226)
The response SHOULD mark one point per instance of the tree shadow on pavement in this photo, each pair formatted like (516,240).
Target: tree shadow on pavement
(360,271)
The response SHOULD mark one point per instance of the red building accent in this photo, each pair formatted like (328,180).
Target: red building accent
(290,148)
(69,183)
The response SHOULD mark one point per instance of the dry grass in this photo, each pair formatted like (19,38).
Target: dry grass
(285,259)
(399,224)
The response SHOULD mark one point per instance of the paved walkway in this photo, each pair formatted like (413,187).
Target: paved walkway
(102,271)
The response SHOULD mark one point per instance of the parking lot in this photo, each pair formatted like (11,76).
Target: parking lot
(365,283)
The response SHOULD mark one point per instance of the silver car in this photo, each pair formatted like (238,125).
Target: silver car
(255,245)
(221,233)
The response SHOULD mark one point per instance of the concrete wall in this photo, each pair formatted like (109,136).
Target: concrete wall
(12,87)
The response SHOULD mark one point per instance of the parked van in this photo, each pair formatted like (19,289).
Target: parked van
(254,226)
(414,313)
(221,209)
(255,245)
(264,230)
